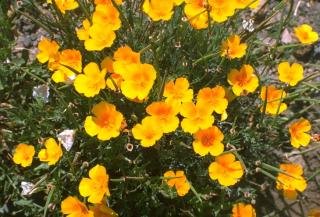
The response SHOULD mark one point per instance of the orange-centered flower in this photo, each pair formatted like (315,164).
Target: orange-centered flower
(106,122)
(96,186)
(138,81)
(23,155)
(179,180)
(91,81)
(156,10)
(305,34)
(221,10)
(292,182)
(273,97)
(177,92)
(105,2)
(165,115)
(214,98)
(66,5)
(196,117)
(196,12)
(72,207)
(123,58)
(208,141)
(243,81)
(48,51)
(233,48)
(148,132)
(67,59)
(52,153)
(290,74)
(298,132)
(243,210)
(100,37)
(107,16)
(226,170)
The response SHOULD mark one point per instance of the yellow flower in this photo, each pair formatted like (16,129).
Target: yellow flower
(92,81)
(48,50)
(233,48)
(274,96)
(165,115)
(214,98)
(221,9)
(52,153)
(114,80)
(241,4)
(196,117)
(314,212)
(106,122)
(243,210)
(158,10)
(66,5)
(138,81)
(124,57)
(196,12)
(72,207)
(101,36)
(290,74)
(96,186)
(83,34)
(179,180)
(305,34)
(23,155)
(298,132)
(101,210)
(208,141)
(243,81)
(178,92)
(107,16)
(293,182)
(148,132)
(67,58)
(226,170)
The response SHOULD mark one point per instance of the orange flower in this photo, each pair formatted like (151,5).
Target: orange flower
(23,155)
(83,34)
(91,81)
(196,12)
(100,37)
(178,91)
(67,58)
(72,207)
(233,48)
(148,132)
(226,170)
(314,212)
(165,115)
(243,210)
(105,2)
(179,180)
(305,34)
(66,5)
(196,117)
(290,74)
(107,16)
(124,57)
(298,132)
(208,141)
(96,186)
(221,10)
(138,81)
(158,10)
(48,50)
(113,80)
(274,105)
(293,182)
(243,81)
(105,123)
(52,153)
(214,98)
(101,210)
